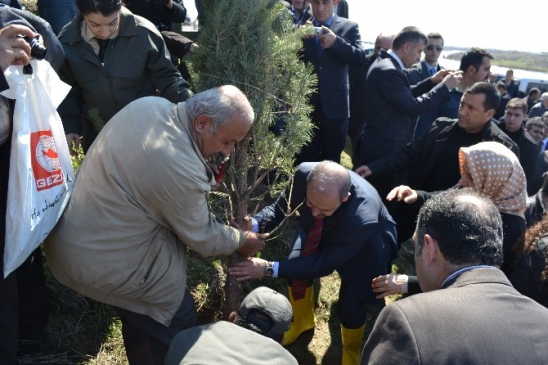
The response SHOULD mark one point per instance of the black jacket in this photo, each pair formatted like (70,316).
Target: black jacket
(422,153)
(528,158)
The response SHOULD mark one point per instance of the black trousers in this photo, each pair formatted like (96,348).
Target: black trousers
(328,139)
(146,340)
(23,294)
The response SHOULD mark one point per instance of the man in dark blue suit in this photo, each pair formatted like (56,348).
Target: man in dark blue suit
(391,103)
(357,237)
(330,52)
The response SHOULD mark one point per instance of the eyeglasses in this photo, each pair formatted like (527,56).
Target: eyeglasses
(432,47)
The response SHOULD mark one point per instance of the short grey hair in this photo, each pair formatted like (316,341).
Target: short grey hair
(220,105)
(544,96)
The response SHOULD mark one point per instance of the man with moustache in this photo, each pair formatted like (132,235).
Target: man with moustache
(435,155)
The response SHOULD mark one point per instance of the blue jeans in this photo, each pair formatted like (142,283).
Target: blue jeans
(57,12)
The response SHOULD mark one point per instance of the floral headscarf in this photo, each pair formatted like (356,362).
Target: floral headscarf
(497,173)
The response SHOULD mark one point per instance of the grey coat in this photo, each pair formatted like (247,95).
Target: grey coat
(478,319)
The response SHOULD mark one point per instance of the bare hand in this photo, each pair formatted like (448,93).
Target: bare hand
(452,80)
(73,141)
(439,76)
(402,193)
(327,37)
(247,223)
(254,242)
(251,268)
(389,284)
(364,171)
(14,50)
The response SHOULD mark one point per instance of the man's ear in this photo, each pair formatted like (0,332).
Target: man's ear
(346,197)
(335,2)
(430,248)
(471,70)
(490,113)
(232,317)
(202,123)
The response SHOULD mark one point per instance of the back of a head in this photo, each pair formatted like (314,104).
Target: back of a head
(267,312)
(409,35)
(221,104)
(466,224)
(105,7)
(492,96)
(474,57)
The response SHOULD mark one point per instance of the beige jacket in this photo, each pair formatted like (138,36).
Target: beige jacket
(138,203)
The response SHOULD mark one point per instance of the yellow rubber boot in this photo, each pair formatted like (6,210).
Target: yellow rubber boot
(304,317)
(352,344)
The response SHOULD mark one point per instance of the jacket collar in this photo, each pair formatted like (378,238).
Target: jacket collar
(478,276)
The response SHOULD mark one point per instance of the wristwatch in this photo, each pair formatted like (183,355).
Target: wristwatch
(269,270)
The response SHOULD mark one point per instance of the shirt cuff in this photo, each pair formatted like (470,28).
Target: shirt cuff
(276,264)
(254,225)
(404,286)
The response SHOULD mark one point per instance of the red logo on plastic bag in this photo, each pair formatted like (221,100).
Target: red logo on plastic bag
(45,160)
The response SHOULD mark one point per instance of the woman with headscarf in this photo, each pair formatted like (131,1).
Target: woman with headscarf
(491,169)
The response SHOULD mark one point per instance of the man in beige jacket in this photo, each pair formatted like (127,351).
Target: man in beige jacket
(139,202)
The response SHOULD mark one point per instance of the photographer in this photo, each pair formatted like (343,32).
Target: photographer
(23,294)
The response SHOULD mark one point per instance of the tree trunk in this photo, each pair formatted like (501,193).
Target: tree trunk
(240,202)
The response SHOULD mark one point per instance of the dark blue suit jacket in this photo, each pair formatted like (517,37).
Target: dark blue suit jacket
(332,67)
(358,240)
(390,104)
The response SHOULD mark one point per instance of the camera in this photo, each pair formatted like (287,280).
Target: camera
(37,50)
(318,30)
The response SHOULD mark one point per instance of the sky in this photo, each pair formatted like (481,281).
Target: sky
(492,24)
(462,23)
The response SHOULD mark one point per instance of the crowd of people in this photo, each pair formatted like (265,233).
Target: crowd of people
(453,160)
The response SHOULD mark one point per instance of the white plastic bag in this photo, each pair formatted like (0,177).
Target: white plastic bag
(41,175)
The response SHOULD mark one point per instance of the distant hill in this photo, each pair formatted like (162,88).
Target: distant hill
(510,59)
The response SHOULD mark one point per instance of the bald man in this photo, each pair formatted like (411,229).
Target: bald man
(342,215)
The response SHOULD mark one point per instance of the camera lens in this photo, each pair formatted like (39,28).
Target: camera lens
(36,49)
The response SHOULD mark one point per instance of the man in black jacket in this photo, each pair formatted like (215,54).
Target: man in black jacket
(434,157)
(515,114)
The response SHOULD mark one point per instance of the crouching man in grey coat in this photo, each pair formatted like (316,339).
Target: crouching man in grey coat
(139,202)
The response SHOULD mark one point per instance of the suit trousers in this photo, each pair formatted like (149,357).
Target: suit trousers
(328,138)
(146,340)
